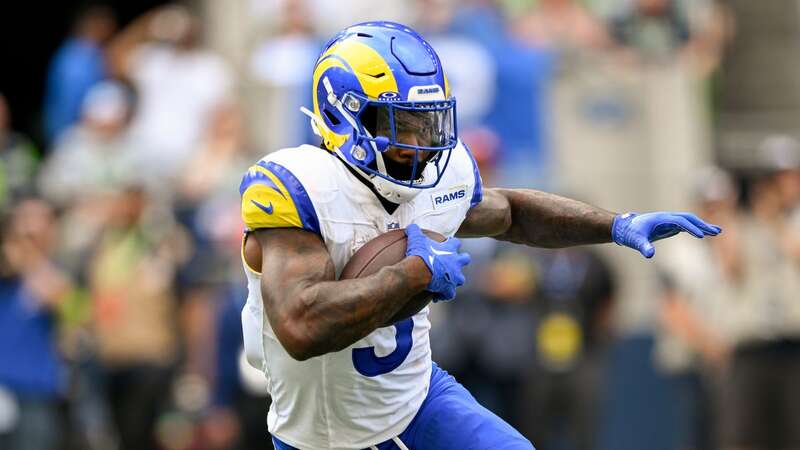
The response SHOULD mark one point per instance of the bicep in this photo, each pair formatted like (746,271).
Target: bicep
(490,217)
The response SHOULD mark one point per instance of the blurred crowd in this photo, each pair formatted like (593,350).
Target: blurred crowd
(120,274)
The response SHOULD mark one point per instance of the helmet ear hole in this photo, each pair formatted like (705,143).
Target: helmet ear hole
(331,118)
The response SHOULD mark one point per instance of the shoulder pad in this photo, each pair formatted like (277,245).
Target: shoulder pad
(272,197)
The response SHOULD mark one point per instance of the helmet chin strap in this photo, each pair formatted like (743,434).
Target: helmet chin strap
(393,192)
(314,120)
(381,165)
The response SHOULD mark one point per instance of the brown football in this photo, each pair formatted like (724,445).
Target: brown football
(387,249)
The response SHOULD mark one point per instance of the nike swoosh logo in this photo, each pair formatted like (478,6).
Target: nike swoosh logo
(437,252)
(267,209)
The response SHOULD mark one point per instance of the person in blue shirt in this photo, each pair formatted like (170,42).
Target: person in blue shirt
(31,289)
(76,66)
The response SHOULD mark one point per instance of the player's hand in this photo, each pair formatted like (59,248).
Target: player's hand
(639,231)
(443,260)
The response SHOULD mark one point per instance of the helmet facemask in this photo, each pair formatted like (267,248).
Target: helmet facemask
(398,141)
(414,130)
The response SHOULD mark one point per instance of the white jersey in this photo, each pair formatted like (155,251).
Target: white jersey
(370,391)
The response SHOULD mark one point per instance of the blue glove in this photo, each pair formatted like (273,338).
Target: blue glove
(443,260)
(638,231)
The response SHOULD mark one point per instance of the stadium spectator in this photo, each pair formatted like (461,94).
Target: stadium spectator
(180,86)
(572,303)
(280,68)
(700,280)
(92,156)
(760,390)
(782,151)
(32,290)
(562,25)
(18,160)
(653,27)
(77,65)
(657,31)
(131,282)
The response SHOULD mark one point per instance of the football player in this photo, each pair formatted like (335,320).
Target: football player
(390,158)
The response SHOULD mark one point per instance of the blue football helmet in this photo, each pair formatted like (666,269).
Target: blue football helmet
(378,86)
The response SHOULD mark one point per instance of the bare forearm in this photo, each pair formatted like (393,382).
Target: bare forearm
(333,315)
(548,220)
(342,312)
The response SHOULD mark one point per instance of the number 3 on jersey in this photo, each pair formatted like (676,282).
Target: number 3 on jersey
(369,364)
